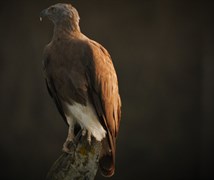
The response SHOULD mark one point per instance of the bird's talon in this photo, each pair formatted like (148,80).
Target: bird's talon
(83,132)
(69,147)
(89,137)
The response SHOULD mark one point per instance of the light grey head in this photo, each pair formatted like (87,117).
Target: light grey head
(62,13)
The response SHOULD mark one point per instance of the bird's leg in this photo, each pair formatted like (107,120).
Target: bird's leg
(89,137)
(78,136)
(83,131)
(69,144)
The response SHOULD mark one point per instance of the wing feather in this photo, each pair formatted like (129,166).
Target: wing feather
(53,93)
(104,87)
(103,90)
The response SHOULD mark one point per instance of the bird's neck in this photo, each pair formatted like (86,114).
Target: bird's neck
(65,30)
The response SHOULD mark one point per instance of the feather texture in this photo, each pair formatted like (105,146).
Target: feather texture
(81,79)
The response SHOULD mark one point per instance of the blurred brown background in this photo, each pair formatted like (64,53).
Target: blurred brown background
(163,51)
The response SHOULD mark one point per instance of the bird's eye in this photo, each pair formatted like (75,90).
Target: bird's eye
(52,9)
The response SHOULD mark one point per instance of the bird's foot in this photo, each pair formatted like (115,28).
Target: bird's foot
(83,132)
(69,146)
(89,137)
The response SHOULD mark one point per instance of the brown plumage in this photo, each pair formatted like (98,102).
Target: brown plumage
(82,81)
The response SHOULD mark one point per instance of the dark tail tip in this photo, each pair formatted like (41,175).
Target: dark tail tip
(107,166)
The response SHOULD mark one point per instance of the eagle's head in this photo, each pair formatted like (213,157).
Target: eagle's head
(61,13)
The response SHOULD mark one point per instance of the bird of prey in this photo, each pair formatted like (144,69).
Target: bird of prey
(82,81)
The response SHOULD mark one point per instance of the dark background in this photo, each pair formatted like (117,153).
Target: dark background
(163,52)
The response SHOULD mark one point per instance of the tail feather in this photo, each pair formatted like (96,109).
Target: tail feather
(107,166)
(107,159)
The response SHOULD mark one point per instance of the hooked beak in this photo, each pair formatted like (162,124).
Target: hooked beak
(42,14)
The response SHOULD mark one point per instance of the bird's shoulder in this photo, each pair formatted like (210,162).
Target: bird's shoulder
(97,47)
(80,51)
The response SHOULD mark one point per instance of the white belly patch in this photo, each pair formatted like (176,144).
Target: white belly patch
(87,118)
